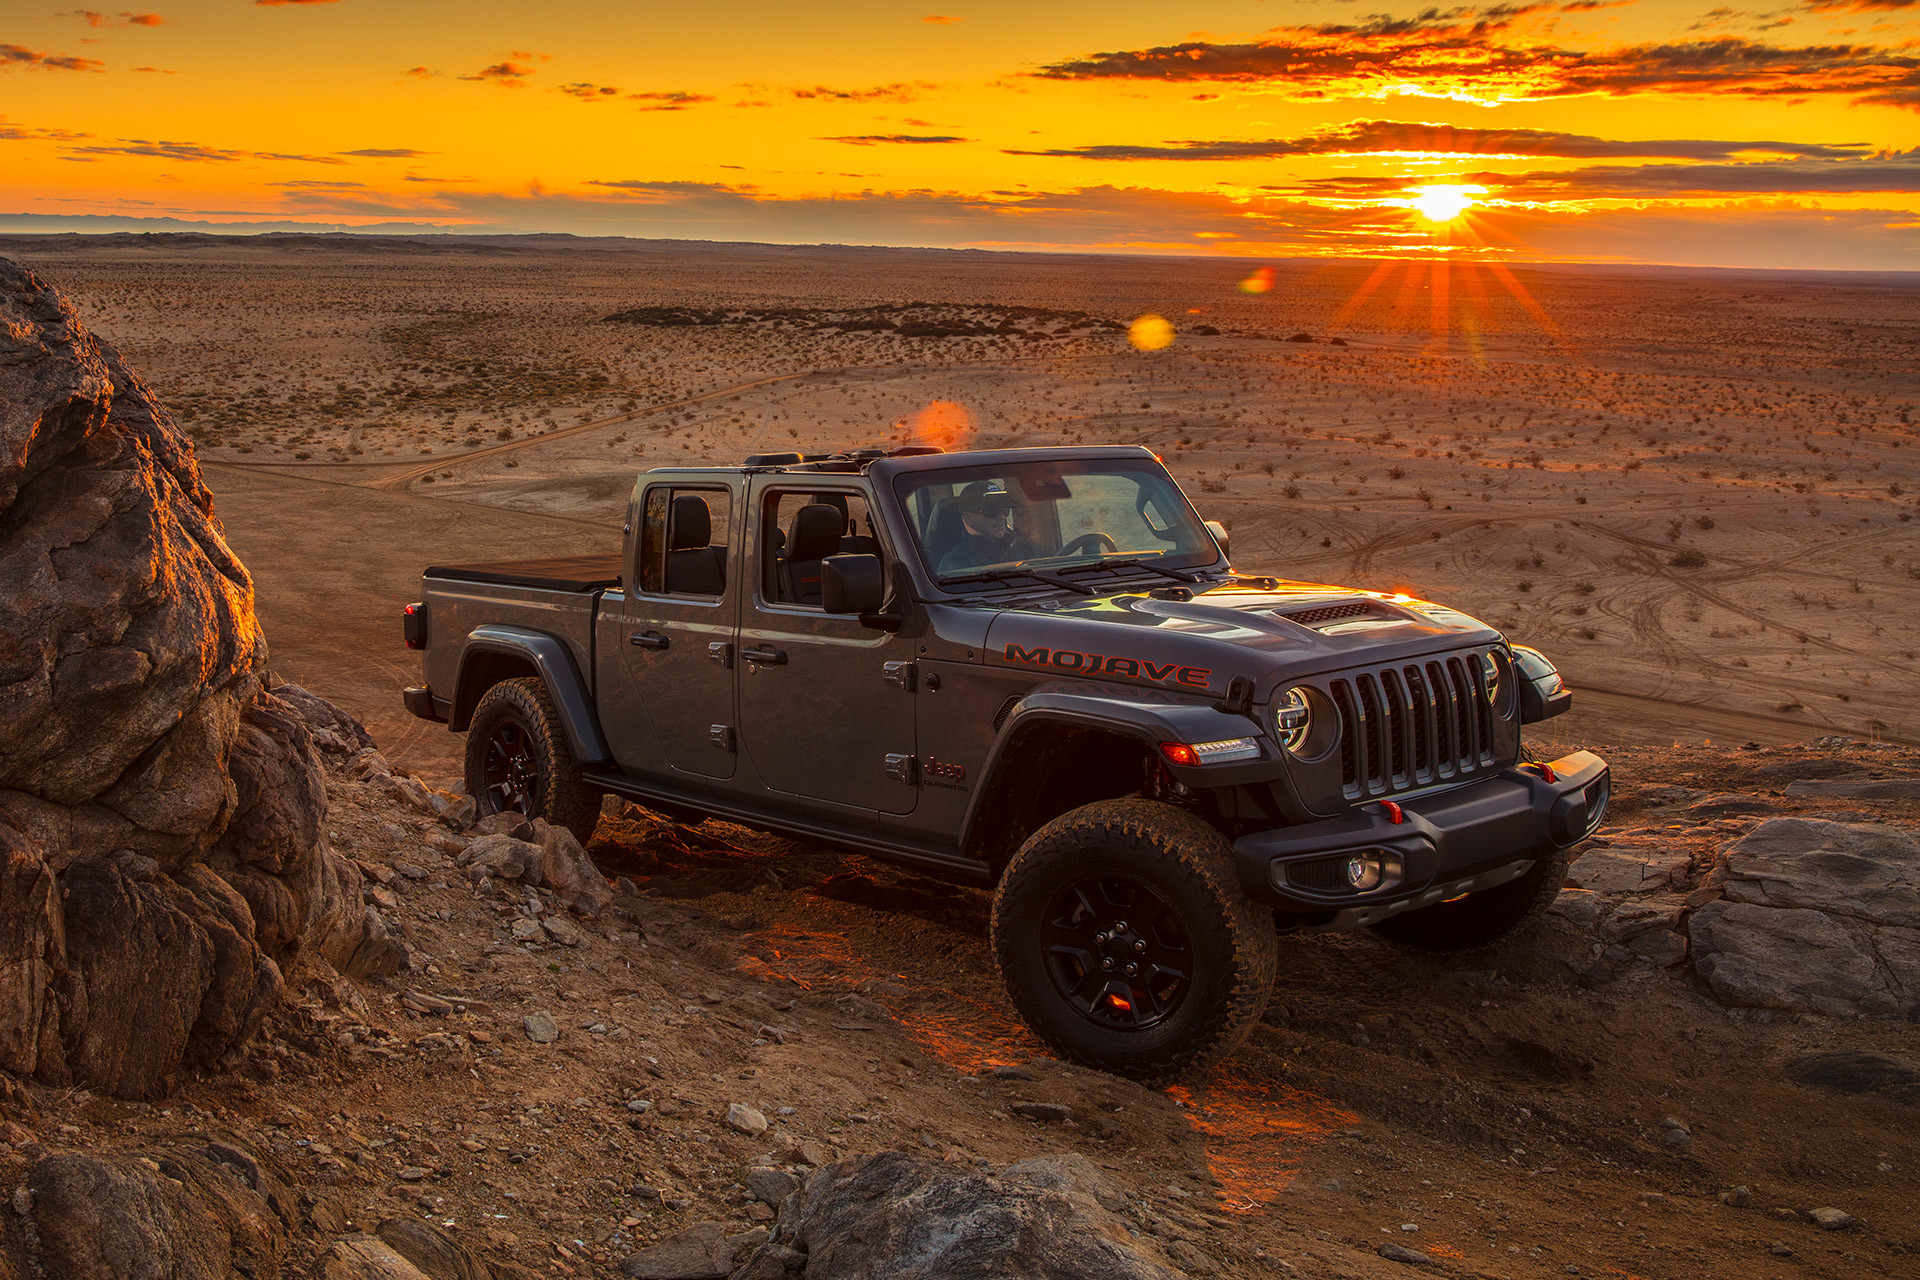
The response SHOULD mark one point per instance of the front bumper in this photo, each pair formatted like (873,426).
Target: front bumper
(1447,844)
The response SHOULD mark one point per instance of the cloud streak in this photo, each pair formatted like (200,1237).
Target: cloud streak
(14,55)
(1888,173)
(1134,219)
(1483,56)
(1378,137)
(881,139)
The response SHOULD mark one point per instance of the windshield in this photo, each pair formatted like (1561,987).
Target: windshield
(1057,516)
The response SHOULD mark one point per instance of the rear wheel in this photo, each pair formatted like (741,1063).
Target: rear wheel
(1480,920)
(1125,942)
(518,762)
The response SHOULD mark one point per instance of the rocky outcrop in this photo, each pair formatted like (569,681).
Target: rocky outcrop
(162,853)
(895,1216)
(194,1208)
(1817,916)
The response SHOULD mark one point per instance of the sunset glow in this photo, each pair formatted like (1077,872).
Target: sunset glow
(1634,130)
(1443,203)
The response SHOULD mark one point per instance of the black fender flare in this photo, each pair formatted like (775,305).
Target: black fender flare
(554,662)
(1149,715)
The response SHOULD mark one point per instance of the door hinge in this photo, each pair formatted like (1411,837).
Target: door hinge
(721,736)
(721,652)
(899,673)
(900,769)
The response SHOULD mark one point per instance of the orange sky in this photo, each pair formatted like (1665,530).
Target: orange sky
(1584,130)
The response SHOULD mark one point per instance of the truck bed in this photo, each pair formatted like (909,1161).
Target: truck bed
(560,573)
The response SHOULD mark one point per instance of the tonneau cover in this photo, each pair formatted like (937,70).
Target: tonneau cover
(561,573)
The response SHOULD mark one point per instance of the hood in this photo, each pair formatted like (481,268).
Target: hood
(1265,632)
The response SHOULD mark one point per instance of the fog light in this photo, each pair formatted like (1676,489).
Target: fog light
(1374,869)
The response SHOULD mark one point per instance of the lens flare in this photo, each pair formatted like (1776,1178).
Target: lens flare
(942,422)
(1261,281)
(1151,333)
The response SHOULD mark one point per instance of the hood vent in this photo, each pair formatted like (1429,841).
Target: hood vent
(1331,613)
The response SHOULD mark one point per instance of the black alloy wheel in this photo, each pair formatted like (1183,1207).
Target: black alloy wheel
(518,762)
(1125,941)
(510,773)
(1116,951)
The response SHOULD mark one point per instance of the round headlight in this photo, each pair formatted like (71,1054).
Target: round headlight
(1490,678)
(1293,718)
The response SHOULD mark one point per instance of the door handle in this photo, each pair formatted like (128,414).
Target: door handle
(648,640)
(765,655)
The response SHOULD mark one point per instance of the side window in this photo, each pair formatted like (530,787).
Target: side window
(683,541)
(805,527)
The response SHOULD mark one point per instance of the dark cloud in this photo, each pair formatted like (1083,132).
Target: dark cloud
(586,92)
(875,139)
(274,4)
(1859,6)
(190,152)
(122,19)
(13,55)
(898,91)
(1373,137)
(419,73)
(11,132)
(387,153)
(1478,54)
(510,72)
(671,100)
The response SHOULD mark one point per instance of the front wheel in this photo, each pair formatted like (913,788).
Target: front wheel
(1480,920)
(1125,942)
(518,762)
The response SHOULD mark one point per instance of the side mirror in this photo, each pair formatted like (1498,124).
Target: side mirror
(1543,694)
(852,584)
(1219,532)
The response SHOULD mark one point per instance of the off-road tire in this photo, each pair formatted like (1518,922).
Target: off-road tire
(1189,864)
(1482,920)
(561,796)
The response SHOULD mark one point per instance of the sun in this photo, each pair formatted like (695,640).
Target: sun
(1442,202)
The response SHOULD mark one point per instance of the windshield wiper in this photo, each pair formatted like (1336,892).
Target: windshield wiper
(1139,562)
(1008,575)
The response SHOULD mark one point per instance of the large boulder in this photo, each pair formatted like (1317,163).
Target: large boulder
(162,850)
(897,1216)
(1817,916)
(197,1211)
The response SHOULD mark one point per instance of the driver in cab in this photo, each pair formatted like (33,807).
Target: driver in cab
(987,530)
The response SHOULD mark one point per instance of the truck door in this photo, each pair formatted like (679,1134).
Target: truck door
(826,704)
(676,638)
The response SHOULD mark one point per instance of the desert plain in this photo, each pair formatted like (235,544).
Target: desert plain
(1696,491)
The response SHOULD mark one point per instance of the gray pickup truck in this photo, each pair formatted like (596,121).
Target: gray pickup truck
(1033,669)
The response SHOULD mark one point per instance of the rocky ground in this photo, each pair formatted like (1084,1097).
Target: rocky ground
(1702,1066)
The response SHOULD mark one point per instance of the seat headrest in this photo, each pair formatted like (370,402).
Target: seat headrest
(816,532)
(691,524)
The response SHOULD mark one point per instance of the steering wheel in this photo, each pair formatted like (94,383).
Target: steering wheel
(1087,543)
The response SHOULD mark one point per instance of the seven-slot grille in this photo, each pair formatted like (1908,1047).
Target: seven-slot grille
(1412,724)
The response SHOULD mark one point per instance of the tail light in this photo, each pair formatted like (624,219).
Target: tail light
(415,626)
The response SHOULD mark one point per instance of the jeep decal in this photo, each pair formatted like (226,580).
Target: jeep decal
(1096,664)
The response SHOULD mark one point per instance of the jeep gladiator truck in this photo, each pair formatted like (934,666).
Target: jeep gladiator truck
(1035,669)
